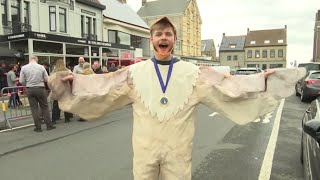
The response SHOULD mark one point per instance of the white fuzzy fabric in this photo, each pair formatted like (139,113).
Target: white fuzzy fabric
(179,89)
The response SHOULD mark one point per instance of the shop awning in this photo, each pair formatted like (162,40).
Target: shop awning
(5,52)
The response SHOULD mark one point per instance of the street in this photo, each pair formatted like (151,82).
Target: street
(103,149)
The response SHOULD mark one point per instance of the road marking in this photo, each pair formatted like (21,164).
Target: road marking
(20,127)
(213,114)
(266,167)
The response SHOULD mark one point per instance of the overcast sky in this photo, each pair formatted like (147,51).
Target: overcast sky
(233,17)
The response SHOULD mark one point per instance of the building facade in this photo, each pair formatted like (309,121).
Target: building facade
(185,15)
(266,48)
(208,49)
(123,26)
(53,29)
(231,51)
(316,42)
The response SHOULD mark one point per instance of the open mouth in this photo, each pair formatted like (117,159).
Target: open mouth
(163,46)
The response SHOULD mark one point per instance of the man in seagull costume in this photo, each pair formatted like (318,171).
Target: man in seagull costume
(164,92)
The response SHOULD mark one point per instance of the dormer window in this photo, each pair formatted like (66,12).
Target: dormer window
(232,46)
(267,41)
(252,42)
(280,41)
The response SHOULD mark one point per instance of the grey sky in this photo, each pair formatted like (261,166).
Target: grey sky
(233,17)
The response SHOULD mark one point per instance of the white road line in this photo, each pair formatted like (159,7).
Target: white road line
(20,127)
(213,114)
(266,167)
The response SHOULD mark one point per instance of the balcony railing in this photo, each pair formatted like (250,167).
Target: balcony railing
(91,37)
(13,27)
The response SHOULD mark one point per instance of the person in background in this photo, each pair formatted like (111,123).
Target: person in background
(46,65)
(59,67)
(78,69)
(12,82)
(86,69)
(112,68)
(3,76)
(33,76)
(97,68)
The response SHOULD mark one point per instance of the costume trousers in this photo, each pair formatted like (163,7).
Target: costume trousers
(168,166)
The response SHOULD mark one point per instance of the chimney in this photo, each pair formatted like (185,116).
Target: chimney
(318,15)
(223,34)
(285,26)
(144,2)
(123,1)
(248,30)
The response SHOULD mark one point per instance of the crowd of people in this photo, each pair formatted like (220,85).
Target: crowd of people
(34,76)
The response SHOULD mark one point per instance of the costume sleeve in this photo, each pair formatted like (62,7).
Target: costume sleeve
(91,96)
(245,98)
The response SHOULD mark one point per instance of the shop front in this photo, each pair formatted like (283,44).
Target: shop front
(49,48)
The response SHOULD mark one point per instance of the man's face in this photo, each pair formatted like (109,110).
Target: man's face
(81,60)
(95,65)
(163,40)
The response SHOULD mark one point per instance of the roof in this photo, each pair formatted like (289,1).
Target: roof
(93,3)
(163,7)
(122,12)
(232,43)
(269,37)
(207,45)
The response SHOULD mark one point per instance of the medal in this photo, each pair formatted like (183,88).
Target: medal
(163,101)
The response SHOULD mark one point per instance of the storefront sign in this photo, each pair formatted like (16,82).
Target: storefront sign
(66,39)
(40,35)
(17,36)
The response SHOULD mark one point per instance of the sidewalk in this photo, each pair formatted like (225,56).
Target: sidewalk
(20,139)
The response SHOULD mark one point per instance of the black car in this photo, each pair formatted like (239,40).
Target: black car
(308,88)
(310,141)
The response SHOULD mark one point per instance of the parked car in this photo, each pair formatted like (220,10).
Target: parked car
(311,66)
(310,140)
(308,88)
(247,71)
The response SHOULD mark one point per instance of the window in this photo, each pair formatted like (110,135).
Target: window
(249,54)
(276,65)
(112,38)
(4,12)
(280,53)
(178,45)
(229,58)
(280,41)
(253,65)
(267,41)
(272,53)
(15,10)
(264,53)
(87,24)
(252,42)
(257,53)
(26,13)
(232,46)
(124,38)
(94,28)
(62,20)
(52,18)
(82,25)
(235,57)
(72,5)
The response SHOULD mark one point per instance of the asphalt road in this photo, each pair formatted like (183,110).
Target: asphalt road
(103,150)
